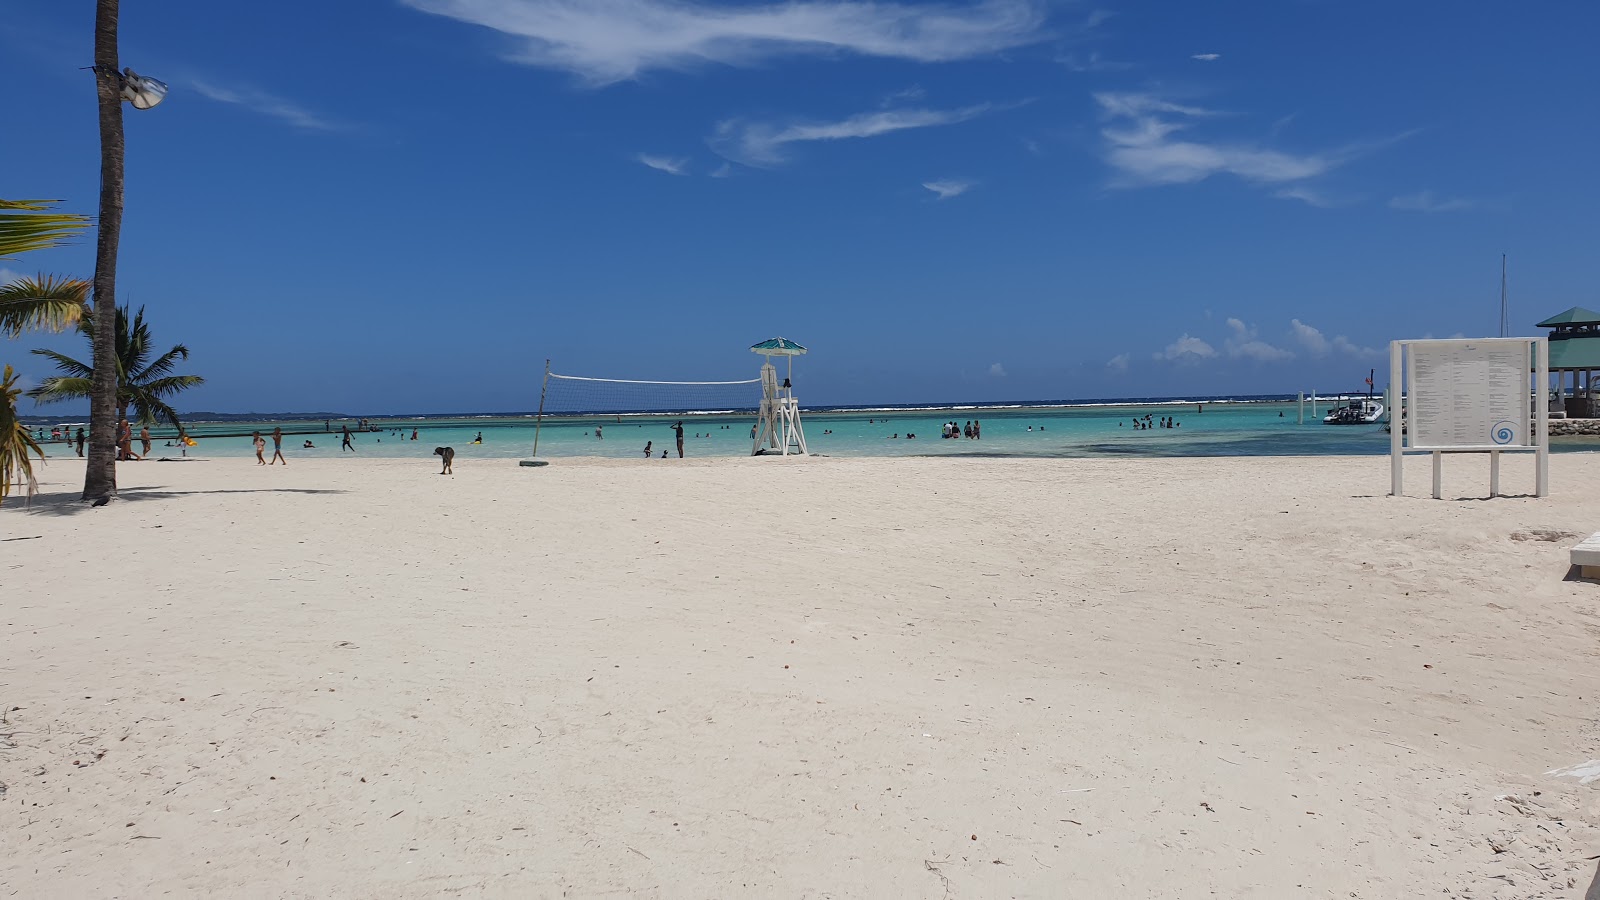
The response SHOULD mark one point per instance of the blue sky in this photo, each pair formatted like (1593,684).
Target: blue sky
(407,205)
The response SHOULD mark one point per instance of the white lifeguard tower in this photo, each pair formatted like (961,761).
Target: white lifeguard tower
(778,427)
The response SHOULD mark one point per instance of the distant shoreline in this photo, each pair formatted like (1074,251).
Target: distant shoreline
(221,418)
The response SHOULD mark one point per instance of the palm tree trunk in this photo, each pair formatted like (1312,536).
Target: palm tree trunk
(100,478)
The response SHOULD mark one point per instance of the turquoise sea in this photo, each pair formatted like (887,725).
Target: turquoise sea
(1104,431)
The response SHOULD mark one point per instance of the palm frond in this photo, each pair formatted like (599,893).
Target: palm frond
(48,301)
(149,410)
(66,363)
(29,225)
(62,387)
(164,365)
(16,444)
(172,384)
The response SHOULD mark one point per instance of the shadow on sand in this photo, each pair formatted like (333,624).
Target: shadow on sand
(70,505)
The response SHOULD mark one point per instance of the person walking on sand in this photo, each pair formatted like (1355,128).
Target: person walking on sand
(125,440)
(277,447)
(144,438)
(347,445)
(260,443)
(678,428)
(81,439)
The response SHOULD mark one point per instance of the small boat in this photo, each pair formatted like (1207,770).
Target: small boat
(1359,412)
(1365,411)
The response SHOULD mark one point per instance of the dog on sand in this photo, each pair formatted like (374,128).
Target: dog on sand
(449,455)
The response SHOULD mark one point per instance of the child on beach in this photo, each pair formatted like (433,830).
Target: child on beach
(277,447)
(260,444)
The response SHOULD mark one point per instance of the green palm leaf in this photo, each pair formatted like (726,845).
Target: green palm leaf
(29,225)
(16,444)
(44,302)
(163,366)
(66,363)
(62,387)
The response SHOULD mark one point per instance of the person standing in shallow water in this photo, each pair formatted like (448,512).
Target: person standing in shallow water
(144,438)
(347,445)
(81,439)
(277,447)
(678,428)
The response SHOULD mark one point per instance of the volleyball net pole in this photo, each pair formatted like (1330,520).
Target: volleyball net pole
(538,421)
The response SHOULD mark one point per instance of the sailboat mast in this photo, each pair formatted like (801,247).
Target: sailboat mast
(1505,310)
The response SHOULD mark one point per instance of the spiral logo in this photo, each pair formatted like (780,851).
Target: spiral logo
(1503,432)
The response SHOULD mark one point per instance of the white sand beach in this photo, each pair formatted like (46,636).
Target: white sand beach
(871,678)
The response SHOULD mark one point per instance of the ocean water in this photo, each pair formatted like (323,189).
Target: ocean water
(1100,431)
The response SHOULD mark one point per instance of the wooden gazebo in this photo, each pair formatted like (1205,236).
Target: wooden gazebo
(1575,348)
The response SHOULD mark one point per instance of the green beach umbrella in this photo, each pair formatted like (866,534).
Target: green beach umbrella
(779,346)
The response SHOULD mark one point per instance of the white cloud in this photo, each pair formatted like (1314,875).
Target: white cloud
(1187,349)
(1342,344)
(723,171)
(1118,363)
(668,164)
(267,105)
(765,143)
(1318,344)
(1242,343)
(1097,18)
(1428,202)
(997,370)
(949,187)
(1140,145)
(1308,196)
(606,41)
(1207,57)
(9,275)
(1309,338)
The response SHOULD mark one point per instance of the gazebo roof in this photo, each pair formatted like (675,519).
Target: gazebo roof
(1574,316)
(1581,354)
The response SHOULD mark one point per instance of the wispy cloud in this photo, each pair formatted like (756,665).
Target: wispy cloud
(266,104)
(1118,363)
(1187,349)
(1140,145)
(949,187)
(1097,17)
(1242,343)
(1428,202)
(606,41)
(723,171)
(668,164)
(1092,62)
(1207,57)
(766,143)
(9,275)
(904,95)
(1308,196)
(997,371)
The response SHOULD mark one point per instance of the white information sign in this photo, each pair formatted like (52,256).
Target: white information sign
(1469,394)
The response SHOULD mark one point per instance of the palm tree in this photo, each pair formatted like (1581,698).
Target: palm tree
(141,383)
(100,474)
(15,441)
(44,302)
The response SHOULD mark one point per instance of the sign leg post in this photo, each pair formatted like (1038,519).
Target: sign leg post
(1396,423)
(1438,475)
(1494,474)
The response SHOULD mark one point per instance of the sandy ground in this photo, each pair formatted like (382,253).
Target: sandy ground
(806,678)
